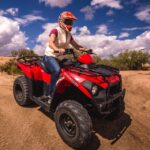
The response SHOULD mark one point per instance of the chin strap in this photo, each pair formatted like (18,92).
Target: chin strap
(62,25)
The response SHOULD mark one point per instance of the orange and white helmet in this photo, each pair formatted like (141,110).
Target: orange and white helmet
(66,19)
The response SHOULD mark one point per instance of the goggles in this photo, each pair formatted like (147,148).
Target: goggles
(68,22)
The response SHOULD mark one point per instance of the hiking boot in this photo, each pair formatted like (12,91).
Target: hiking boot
(46,97)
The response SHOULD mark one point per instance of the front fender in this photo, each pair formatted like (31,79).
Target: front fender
(76,81)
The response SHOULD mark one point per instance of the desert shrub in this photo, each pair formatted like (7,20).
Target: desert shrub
(128,60)
(23,52)
(132,60)
(10,67)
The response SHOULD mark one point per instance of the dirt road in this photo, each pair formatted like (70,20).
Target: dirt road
(32,129)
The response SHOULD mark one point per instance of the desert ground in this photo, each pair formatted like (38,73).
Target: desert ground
(4,59)
(31,128)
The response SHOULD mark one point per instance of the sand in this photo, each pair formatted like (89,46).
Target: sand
(30,128)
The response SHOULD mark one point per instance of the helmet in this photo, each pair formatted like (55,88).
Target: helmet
(66,19)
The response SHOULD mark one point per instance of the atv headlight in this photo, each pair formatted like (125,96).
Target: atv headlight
(91,87)
(87,84)
(94,89)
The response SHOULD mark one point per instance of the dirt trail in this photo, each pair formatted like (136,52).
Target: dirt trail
(31,128)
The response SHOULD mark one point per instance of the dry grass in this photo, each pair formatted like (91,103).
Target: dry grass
(4,59)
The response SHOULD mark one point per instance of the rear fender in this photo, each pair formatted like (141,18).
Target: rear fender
(26,69)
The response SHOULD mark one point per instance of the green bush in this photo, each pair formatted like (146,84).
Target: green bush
(128,60)
(10,67)
(23,52)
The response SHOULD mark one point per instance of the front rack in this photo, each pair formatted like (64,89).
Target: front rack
(85,71)
(90,71)
(107,67)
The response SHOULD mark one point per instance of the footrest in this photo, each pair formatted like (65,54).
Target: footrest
(43,104)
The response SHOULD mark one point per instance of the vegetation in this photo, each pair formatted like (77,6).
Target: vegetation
(128,60)
(10,67)
(23,52)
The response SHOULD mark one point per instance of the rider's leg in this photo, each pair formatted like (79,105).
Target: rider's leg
(53,66)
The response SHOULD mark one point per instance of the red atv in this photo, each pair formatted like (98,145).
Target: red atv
(83,89)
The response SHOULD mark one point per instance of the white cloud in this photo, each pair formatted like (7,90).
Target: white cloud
(124,35)
(84,31)
(57,3)
(11,11)
(102,29)
(88,11)
(136,28)
(106,45)
(96,4)
(110,13)
(109,3)
(103,45)
(144,15)
(27,19)
(11,38)
(1,12)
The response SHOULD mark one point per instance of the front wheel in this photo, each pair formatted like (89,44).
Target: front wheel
(73,123)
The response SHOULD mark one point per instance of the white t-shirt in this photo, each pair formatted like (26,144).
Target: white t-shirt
(63,39)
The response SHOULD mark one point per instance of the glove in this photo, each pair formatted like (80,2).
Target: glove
(89,51)
(61,50)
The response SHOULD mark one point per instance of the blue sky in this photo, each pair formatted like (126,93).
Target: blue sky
(107,26)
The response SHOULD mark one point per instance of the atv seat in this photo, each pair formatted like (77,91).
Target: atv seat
(62,63)
(42,65)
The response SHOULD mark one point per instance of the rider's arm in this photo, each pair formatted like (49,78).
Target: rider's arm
(76,45)
(52,43)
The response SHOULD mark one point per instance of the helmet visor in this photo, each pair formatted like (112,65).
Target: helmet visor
(68,22)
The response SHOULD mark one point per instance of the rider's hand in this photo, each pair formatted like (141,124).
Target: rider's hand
(90,51)
(61,50)
(82,49)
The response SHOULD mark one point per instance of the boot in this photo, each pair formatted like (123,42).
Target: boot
(47,98)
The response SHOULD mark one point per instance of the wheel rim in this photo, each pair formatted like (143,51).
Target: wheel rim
(19,92)
(68,125)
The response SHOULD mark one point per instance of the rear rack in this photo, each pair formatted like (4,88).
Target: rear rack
(29,59)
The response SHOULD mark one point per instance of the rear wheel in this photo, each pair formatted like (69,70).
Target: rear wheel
(73,123)
(21,91)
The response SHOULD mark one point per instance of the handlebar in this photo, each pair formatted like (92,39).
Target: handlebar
(71,51)
(89,51)
(67,51)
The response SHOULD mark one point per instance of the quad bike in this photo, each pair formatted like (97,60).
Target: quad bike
(83,89)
